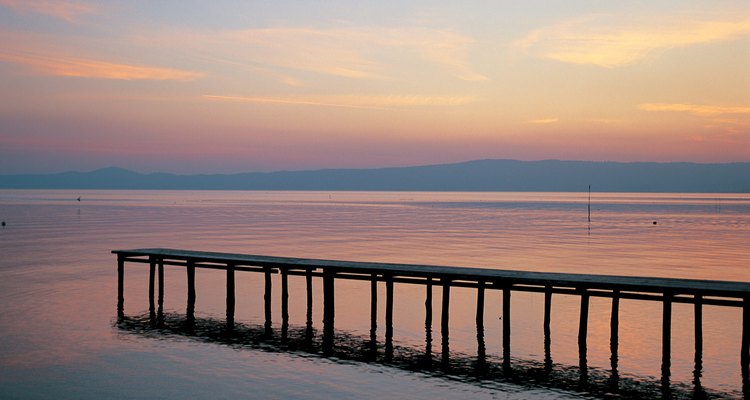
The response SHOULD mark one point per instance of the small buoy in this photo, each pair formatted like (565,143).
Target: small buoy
(79,198)
(3,223)
(654,222)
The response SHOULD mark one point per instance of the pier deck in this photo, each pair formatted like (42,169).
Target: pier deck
(665,290)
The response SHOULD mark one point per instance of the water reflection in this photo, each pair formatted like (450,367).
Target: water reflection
(345,347)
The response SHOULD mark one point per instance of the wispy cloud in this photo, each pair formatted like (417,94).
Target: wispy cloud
(606,41)
(89,68)
(349,52)
(350,101)
(543,121)
(67,10)
(703,110)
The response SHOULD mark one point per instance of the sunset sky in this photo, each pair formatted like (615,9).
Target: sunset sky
(238,86)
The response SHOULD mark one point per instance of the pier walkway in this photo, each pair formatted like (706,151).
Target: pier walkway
(665,290)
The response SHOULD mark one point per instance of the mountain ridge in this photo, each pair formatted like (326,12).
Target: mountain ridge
(474,175)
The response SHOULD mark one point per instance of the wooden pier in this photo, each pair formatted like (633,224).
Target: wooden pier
(665,290)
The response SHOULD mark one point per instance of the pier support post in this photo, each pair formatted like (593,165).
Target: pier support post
(284,303)
(428,321)
(547,331)
(230,296)
(374,316)
(666,340)
(445,313)
(506,329)
(151,286)
(388,317)
(582,335)
(267,302)
(309,291)
(309,314)
(160,301)
(698,321)
(745,350)
(481,350)
(191,291)
(614,338)
(120,286)
(328,311)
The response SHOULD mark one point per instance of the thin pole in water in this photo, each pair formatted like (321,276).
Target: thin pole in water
(589,204)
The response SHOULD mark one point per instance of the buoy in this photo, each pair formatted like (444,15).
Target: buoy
(3,223)
(654,222)
(79,198)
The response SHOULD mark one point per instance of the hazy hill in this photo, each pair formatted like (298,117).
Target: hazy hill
(480,175)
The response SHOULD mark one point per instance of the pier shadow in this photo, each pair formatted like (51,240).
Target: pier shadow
(481,369)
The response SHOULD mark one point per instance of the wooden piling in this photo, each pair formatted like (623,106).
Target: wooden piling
(506,329)
(481,350)
(267,301)
(547,331)
(614,337)
(160,300)
(388,317)
(191,291)
(745,350)
(444,327)
(151,283)
(120,286)
(666,340)
(480,304)
(230,296)
(328,311)
(309,291)
(284,303)
(373,306)
(582,335)
(428,320)
(698,324)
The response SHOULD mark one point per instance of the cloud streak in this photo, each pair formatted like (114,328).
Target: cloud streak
(606,42)
(90,68)
(543,121)
(702,110)
(66,10)
(350,101)
(348,52)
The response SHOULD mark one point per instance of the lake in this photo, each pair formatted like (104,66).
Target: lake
(58,288)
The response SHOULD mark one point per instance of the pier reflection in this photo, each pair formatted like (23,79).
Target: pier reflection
(480,368)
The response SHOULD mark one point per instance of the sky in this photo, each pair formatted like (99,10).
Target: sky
(237,86)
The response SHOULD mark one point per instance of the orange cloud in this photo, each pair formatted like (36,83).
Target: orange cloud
(702,110)
(601,40)
(88,68)
(67,10)
(351,101)
(543,121)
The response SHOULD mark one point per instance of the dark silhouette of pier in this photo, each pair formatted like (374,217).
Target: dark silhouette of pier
(665,290)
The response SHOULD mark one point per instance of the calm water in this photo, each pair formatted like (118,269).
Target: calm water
(58,287)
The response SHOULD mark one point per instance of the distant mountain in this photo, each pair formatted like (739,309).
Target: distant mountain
(480,175)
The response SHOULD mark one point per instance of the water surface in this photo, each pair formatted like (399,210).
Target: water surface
(58,286)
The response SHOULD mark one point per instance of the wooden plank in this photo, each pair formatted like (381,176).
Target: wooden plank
(608,282)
